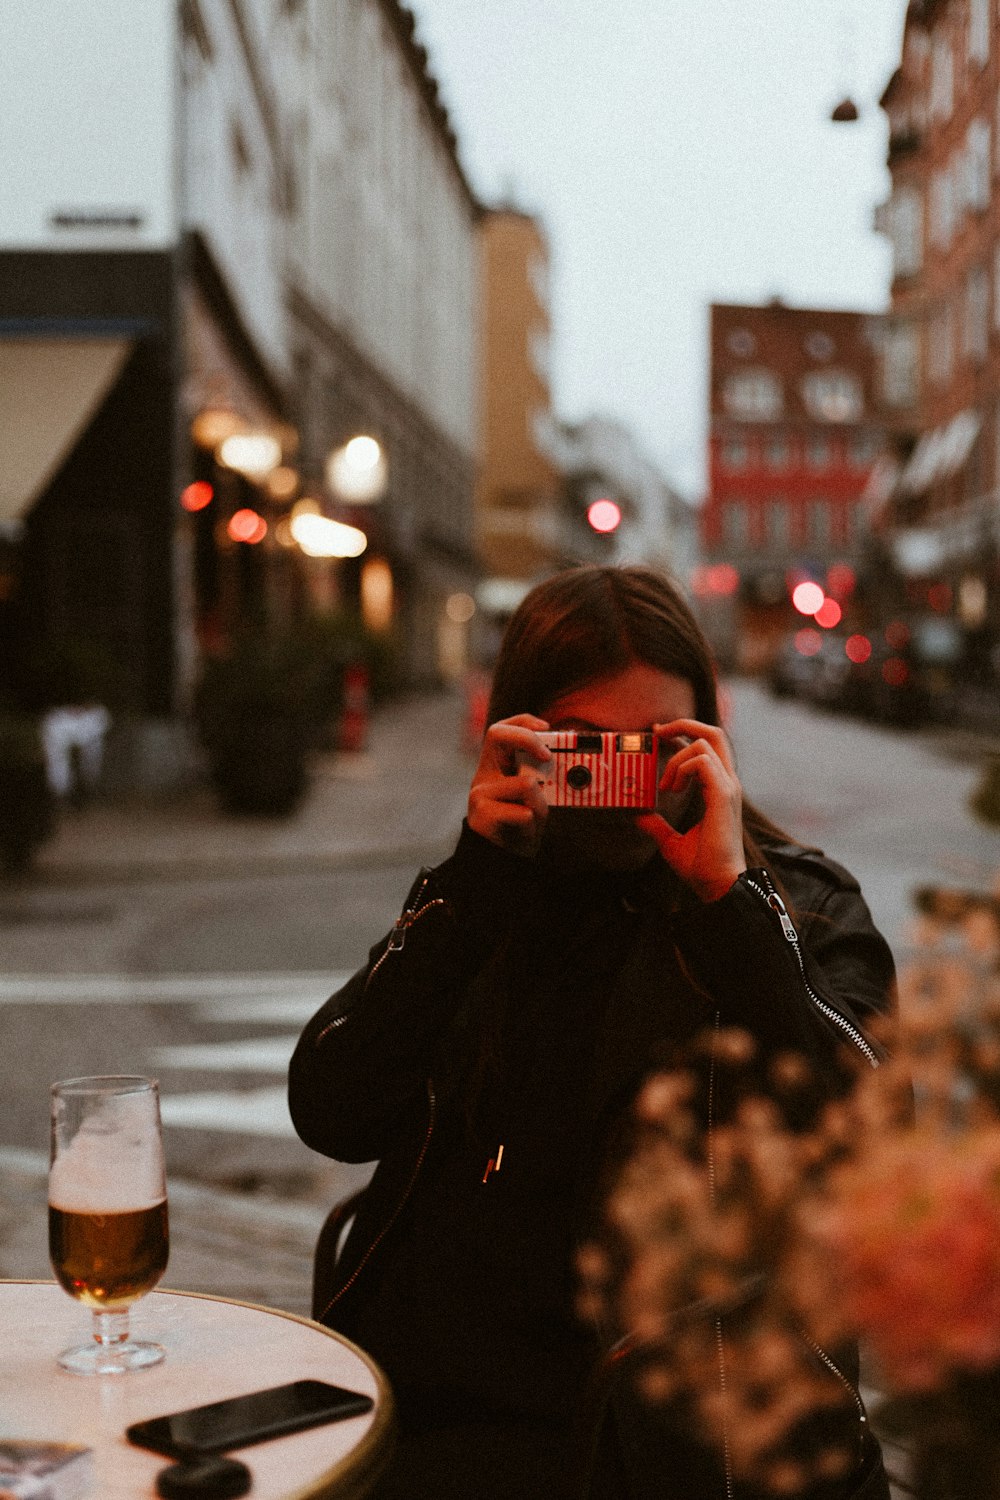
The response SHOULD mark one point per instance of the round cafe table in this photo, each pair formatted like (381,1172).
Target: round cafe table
(215,1348)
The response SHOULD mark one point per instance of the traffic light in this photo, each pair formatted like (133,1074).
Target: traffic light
(604,515)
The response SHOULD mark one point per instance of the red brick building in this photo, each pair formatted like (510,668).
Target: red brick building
(941,363)
(796,427)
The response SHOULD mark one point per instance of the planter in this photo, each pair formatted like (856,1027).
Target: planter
(27,804)
(260,766)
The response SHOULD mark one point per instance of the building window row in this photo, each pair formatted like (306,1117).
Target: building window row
(818,450)
(783,524)
(963,185)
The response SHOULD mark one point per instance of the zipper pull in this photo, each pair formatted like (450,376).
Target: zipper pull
(493,1165)
(775,902)
(397,936)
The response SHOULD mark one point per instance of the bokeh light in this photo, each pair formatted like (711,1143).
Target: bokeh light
(247,526)
(807,597)
(829,614)
(196,496)
(808,641)
(858,649)
(604,515)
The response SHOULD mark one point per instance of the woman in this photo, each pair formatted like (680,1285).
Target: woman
(490,1049)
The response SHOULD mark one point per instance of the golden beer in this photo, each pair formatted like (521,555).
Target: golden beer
(109,1260)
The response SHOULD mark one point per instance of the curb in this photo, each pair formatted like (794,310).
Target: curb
(186,867)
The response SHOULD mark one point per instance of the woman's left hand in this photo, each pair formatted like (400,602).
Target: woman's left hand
(708,857)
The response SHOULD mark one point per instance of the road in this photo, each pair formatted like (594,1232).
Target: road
(205,983)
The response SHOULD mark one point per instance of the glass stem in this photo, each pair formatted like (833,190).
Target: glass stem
(111,1328)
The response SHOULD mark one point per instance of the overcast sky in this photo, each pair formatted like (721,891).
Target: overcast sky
(678,152)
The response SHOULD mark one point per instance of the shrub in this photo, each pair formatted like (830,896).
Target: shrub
(27,804)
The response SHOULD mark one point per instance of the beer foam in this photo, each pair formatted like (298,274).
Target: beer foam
(114,1163)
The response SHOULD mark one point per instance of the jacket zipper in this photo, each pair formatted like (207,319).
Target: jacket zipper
(431,1113)
(778,906)
(397,938)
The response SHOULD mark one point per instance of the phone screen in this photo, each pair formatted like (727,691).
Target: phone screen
(242,1420)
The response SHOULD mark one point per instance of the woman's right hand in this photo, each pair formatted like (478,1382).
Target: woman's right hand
(506,804)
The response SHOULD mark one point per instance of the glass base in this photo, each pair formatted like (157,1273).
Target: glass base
(110,1359)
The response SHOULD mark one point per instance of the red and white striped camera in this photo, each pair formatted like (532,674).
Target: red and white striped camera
(599,769)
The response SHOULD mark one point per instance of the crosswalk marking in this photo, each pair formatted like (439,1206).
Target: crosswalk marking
(267,1054)
(255,1112)
(232,1000)
(233,991)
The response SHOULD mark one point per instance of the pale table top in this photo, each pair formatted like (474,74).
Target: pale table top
(215,1348)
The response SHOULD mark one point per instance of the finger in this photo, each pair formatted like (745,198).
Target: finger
(693,729)
(697,761)
(506,740)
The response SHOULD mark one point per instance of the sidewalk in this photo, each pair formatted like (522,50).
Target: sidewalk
(400,800)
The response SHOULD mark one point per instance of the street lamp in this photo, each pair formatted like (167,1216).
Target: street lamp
(358,472)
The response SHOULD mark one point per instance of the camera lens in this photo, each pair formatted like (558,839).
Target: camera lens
(579,778)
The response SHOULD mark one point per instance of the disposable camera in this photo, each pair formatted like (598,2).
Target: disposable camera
(613,770)
(599,769)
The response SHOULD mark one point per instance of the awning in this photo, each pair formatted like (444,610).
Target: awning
(940,453)
(50,389)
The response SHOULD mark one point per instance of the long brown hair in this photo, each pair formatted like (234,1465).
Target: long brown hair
(590,623)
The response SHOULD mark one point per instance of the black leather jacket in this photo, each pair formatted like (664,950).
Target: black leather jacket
(383,1070)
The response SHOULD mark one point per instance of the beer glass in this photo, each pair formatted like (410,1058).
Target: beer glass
(108,1237)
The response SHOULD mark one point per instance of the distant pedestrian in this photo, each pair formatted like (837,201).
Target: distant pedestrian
(488,1053)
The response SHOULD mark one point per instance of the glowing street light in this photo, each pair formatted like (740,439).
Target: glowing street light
(358,472)
(318,536)
(254,454)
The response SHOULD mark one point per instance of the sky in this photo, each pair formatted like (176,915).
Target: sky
(678,152)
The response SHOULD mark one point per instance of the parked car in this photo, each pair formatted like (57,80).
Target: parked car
(913,671)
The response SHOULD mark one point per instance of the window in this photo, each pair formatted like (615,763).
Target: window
(906,230)
(833,396)
(942,207)
(818,452)
(735,453)
(753,396)
(941,354)
(742,343)
(942,78)
(901,363)
(820,519)
(979,31)
(735,524)
(978,147)
(977,314)
(778,522)
(863,449)
(778,452)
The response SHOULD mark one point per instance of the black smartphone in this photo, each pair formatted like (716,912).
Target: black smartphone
(241,1420)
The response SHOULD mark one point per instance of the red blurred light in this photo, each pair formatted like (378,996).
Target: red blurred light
(197,495)
(829,614)
(840,580)
(939,596)
(808,641)
(604,515)
(897,633)
(808,597)
(247,526)
(895,671)
(723,578)
(858,649)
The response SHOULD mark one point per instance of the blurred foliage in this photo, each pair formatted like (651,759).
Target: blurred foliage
(985,800)
(27,806)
